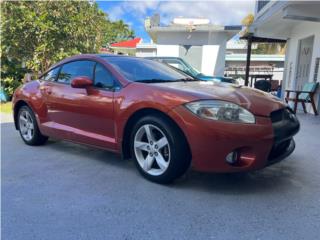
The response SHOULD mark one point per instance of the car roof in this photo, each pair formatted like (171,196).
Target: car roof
(88,56)
(163,58)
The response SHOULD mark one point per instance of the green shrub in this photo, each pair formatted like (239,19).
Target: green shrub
(9,85)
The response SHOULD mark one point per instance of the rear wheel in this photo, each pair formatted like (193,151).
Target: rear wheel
(28,127)
(159,149)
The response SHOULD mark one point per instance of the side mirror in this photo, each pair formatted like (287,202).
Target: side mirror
(81,82)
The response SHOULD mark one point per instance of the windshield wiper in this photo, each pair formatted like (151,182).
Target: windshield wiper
(155,80)
(186,80)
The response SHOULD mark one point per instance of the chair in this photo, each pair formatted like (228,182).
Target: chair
(263,85)
(304,96)
(274,85)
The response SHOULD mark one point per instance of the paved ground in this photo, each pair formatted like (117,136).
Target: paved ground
(67,191)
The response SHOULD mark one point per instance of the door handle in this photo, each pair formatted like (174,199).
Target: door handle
(48,91)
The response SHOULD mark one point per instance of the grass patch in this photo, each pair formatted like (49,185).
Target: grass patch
(6,107)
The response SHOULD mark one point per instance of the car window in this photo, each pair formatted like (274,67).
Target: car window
(51,75)
(176,64)
(138,69)
(102,77)
(76,69)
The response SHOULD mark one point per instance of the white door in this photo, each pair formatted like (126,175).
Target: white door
(304,61)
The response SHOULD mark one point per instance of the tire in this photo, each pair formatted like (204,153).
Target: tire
(159,161)
(28,127)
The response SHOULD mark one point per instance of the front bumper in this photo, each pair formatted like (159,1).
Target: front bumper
(257,145)
(282,154)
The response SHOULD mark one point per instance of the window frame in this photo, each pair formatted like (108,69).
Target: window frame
(117,86)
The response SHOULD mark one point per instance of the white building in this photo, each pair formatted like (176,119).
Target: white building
(298,22)
(202,44)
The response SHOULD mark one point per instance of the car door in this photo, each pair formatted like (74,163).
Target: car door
(94,111)
(82,115)
(46,83)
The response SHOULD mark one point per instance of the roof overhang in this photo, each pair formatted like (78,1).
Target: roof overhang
(155,31)
(278,20)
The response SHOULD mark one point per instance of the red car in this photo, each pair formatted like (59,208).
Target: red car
(163,119)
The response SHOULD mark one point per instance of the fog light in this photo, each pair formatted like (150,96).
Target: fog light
(232,157)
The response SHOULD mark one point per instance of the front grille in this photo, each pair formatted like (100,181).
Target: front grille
(285,125)
(279,149)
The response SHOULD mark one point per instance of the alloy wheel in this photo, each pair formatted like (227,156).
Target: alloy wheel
(26,125)
(152,149)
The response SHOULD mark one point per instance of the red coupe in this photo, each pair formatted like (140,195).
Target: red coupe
(162,118)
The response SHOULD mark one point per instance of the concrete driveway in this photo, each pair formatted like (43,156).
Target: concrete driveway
(67,191)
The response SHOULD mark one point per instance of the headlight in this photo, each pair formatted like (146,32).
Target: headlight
(221,111)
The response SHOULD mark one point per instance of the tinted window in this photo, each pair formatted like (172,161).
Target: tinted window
(137,69)
(51,75)
(75,69)
(103,78)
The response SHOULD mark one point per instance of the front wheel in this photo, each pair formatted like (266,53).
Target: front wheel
(28,127)
(159,149)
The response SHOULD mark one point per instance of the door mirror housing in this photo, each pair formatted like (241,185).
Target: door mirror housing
(81,82)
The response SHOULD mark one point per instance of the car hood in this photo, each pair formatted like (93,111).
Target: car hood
(256,101)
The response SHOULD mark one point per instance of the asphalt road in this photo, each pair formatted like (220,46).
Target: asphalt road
(67,191)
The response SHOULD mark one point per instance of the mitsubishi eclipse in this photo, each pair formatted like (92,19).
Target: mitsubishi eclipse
(161,118)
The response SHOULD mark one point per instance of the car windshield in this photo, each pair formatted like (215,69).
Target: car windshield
(144,70)
(192,70)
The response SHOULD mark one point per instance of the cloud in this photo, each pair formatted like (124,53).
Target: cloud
(138,9)
(219,12)
(228,12)
(116,13)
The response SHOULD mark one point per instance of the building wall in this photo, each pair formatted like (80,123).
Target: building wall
(146,52)
(167,50)
(192,54)
(300,31)
(203,50)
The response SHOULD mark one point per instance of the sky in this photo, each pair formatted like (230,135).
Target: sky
(222,12)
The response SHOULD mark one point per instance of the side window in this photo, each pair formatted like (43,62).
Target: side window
(76,69)
(51,75)
(103,78)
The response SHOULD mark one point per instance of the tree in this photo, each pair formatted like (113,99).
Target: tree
(247,22)
(36,34)
(270,48)
(117,31)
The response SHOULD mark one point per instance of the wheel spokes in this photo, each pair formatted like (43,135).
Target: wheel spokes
(162,143)
(149,133)
(24,130)
(29,134)
(26,125)
(161,162)
(23,119)
(142,145)
(148,163)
